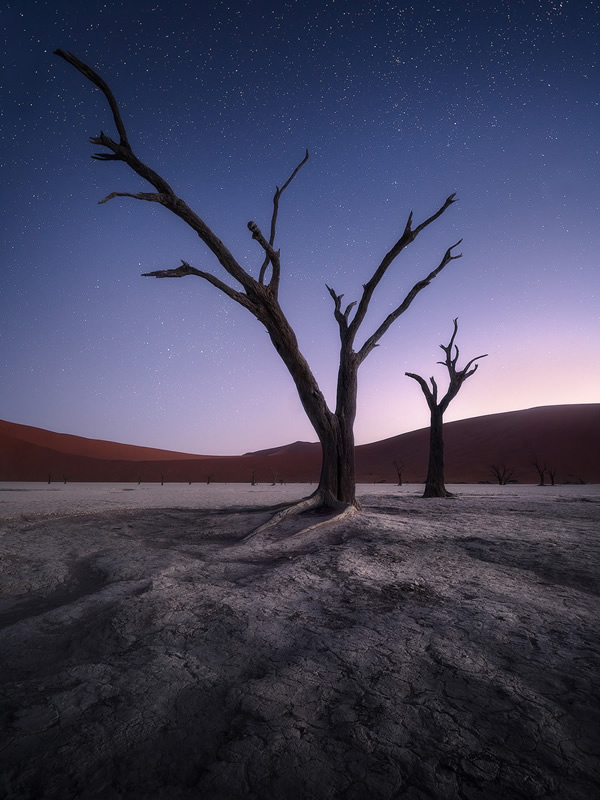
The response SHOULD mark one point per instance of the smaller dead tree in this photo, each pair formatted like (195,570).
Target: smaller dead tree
(551,474)
(434,485)
(502,473)
(541,470)
(399,467)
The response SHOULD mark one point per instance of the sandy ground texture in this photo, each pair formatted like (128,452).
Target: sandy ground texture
(418,649)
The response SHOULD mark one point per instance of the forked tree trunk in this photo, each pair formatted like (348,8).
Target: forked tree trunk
(336,434)
(335,430)
(336,483)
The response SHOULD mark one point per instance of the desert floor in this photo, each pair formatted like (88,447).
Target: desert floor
(418,649)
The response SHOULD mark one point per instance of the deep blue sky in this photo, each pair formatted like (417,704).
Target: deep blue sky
(400,104)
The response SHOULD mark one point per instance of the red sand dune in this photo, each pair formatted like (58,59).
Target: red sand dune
(566,437)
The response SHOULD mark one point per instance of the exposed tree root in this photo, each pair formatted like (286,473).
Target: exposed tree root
(346,512)
(319,500)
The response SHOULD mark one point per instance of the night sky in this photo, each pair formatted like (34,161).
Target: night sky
(400,104)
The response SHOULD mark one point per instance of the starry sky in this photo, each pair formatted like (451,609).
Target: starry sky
(400,104)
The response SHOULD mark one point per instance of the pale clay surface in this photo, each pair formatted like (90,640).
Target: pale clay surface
(418,649)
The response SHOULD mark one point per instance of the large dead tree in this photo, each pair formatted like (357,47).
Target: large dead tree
(259,296)
(434,485)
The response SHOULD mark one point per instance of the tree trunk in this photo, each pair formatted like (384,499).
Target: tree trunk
(434,486)
(335,430)
(337,481)
(336,484)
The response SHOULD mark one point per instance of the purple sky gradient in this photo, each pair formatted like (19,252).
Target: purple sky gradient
(400,105)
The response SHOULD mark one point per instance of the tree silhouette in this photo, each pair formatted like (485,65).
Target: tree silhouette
(259,296)
(434,485)
(399,467)
(502,473)
(541,469)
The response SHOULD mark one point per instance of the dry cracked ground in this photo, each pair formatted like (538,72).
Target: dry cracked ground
(419,649)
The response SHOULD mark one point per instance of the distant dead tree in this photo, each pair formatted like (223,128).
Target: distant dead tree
(551,470)
(541,470)
(434,485)
(252,476)
(399,467)
(502,473)
(260,296)
(209,477)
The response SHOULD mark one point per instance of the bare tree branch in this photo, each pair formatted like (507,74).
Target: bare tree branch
(277,195)
(451,362)
(408,236)
(272,255)
(423,384)
(153,197)
(275,277)
(122,152)
(341,318)
(185,269)
(405,304)
(457,377)
(434,389)
(93,76)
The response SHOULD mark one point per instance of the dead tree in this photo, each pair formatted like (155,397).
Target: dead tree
(541,470)
(551,470)
(434,485)
(399,467)
(260,296)
(502,473)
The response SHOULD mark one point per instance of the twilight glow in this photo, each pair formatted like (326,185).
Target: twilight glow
(399,106)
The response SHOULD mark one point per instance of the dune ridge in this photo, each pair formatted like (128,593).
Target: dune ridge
(566,437)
